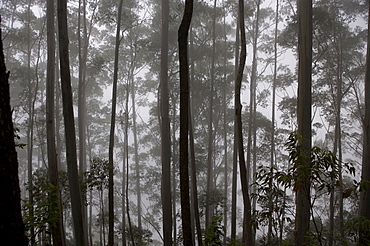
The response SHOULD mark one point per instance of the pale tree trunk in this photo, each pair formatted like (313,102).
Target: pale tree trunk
(70,133)
(184,123)
(174,167)
(247,218)
(210,207)
(165,131)
(235,151)
(55,204)
(112,128)
(11,224)
(365,194)
(302,217)
(272,143)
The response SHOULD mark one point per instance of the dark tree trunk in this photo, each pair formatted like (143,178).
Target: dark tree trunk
(165,131)
(69,125)
(247,219)
(302,217)
(184,122)
(12,231)
(55,204)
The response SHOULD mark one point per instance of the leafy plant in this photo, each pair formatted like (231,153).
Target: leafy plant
(214,232)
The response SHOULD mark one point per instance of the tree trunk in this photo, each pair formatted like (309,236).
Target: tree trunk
(302,217)
(184,123)
(70,133)
(165,131)
(55,204)
(12,231)
(210,207)
(365,194)
(235,151)
(247,219)
(112,128)
(272,142)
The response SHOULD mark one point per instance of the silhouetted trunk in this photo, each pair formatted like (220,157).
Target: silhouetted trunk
(69,125)
(184,122)
(165,131)
(56,228)
(235,151)
(112,128)
(365,194)
(272,142)
(247,218)
(12,231)
(302,217)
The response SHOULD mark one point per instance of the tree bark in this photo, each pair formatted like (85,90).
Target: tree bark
(302,217)
(184,122)
(365,178)
(247,219)
(55,202)
(69,125)
(165,131)
(12,231)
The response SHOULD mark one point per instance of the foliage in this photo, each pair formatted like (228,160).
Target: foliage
(142,237)
(214,232)
(97,176)
(39,215)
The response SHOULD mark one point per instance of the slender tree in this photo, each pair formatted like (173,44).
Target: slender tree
(112,128)
(69,125)
(365,178)
(55,202)
(302,216)
(184,122)
(247,218)
(12,231)
(165,130)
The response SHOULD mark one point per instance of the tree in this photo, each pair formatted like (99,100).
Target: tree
(184,123)
(11,224)
(365,178)
(69,125)
(165,130)
(302,217)
(55,202)
(247,218)
(112,128)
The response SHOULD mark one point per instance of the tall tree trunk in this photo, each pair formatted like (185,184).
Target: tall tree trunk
(55,201)
(184,123)
(302,217)
(365,194)
(69,125)
(174,167)
(210,207)
(82,58)
(165,131)
(112,128)
(247,218)
(235,151)
(272,143)
(12,231)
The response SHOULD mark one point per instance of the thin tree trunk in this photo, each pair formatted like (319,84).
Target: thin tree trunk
(184,123)
(235,151)
(55,204)
(247,219)
(174,183)
(302,217)
(70,135)
(210,207)
(165,130)
(112,128)
(272,143)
